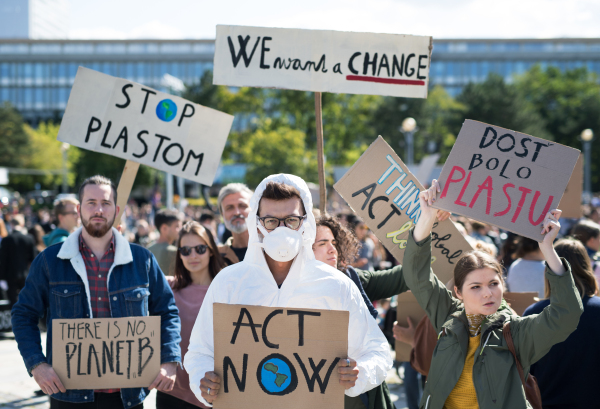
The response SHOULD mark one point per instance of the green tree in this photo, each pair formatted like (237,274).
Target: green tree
(15,146)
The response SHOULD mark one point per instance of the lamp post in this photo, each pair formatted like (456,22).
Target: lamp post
(408,128)
(587,135)
(64,148)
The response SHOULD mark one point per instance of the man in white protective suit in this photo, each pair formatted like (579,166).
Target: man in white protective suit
(280,270)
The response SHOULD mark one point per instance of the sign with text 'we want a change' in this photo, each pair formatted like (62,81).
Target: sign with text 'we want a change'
(128,120)
(279,357)
(323,61)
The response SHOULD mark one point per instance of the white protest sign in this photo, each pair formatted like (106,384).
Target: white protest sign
(128,120)
(323,61)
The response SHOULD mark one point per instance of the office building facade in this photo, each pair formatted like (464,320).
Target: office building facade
(36,75)
(34,19)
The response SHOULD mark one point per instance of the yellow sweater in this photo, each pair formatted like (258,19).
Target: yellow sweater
(463,395)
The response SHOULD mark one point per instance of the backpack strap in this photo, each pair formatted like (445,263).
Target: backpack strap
(511,346)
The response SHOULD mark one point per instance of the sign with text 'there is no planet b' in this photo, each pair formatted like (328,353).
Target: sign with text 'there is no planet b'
(128,120)
(323,61)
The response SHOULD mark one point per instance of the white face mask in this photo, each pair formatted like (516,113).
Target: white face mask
(283,243)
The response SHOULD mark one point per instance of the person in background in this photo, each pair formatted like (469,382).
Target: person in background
(17,251)
(196,264)
(364,260)
(168,223)
(481,232)
(65,212)
(588,232)
(142,233)
(3,231)
(43,219)
(208,220)
(567,375)
(526,273)
(234,204)
(38,237)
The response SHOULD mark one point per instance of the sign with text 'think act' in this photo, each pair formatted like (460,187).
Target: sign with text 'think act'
(128,120)
(279,357)
(323,61)
(505,178)
(106,353)
(382,191)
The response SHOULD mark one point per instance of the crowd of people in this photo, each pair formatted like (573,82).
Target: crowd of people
(271,248)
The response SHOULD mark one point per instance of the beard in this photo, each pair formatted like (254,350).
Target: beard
(97,230)
(236,228)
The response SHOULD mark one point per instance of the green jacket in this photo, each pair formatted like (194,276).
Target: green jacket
(495,375)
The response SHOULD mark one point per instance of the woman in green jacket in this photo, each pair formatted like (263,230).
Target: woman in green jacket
(472,366)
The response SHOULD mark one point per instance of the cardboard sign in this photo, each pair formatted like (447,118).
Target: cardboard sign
(105,353)
(128,120)
(383,192)
(323,61)
(570,204)
(279,357)
(407,307)
(505,178)
(520,301)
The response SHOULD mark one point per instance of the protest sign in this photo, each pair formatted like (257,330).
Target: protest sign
(570,204)
(323,61)
(103,353)
(505,178)
(279,357)
(520,301)
(128,120)
(407,307)
(383,192)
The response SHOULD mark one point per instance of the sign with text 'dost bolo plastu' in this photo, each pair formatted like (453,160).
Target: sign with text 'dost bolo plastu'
(279,357)
(381,190)
(134,122)
(323,61)
(505,178)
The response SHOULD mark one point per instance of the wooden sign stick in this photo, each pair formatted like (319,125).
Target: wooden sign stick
(125,184)
(320,154)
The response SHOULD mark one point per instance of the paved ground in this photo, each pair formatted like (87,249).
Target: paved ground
(16,387)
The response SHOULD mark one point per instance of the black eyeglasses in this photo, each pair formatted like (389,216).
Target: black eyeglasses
(186,251)
(292,222)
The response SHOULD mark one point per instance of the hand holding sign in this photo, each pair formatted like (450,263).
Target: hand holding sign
(166,377)
(428,214)
(209,385)
(47,379)
(551,227)
(348,372)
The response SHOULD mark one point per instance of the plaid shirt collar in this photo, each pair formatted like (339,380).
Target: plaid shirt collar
(83,245)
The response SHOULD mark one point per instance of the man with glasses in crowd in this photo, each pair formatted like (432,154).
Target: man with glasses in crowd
(280,270)
(234,204)
(65,212)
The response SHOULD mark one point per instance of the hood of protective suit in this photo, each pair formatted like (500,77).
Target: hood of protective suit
(254,253)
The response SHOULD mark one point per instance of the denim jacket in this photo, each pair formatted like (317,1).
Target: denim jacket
(57,283)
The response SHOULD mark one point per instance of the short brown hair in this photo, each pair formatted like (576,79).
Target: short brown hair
(347,245)
(99,181)
(280,191)
(575,253)
(585,230)
(60,206)
(474,260)
(216,263)
(525,246)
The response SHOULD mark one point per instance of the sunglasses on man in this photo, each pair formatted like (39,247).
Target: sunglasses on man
(187,250)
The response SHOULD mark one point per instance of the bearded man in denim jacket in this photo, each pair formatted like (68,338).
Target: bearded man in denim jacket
(95,273)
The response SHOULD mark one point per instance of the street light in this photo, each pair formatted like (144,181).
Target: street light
(587,135)
(408,128)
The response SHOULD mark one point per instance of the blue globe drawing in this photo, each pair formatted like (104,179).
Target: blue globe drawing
(166,110)
(275,375)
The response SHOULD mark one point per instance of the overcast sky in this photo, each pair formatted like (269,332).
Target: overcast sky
(173,19)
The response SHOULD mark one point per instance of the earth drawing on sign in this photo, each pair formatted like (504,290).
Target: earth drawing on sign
(276,375)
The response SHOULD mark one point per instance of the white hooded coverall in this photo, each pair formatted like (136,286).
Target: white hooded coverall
(309,284)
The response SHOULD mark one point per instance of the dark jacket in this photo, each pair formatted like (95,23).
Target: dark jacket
(55,284)
(568,374)
(495,376)
(57,235)
(17,251)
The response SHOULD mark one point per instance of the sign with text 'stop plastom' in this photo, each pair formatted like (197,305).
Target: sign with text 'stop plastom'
(270,357)
(128,120)
(323,61)
(505,178)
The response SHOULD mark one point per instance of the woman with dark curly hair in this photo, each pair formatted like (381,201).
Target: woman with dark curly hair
(338,246)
